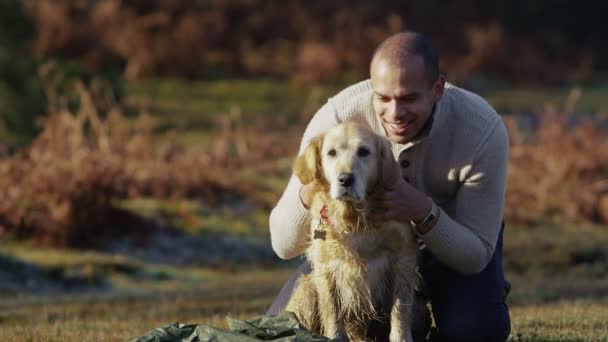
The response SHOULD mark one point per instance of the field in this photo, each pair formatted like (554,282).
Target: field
(560,292)
(211,260)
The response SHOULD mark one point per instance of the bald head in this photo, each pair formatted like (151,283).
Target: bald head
(399,48)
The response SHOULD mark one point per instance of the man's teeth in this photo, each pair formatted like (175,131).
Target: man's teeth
(398,126)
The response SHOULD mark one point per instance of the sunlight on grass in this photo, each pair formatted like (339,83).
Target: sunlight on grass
(194,217)
(197,104)
(591,99)
(95,318)
(564,321)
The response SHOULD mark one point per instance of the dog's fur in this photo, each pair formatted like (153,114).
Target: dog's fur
(362,270)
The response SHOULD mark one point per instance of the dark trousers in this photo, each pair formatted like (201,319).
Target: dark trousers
(465,307)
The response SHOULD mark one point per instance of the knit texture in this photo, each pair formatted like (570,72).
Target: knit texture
(461,164)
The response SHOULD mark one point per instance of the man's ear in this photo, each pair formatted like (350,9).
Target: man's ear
(388,168)
(308,165)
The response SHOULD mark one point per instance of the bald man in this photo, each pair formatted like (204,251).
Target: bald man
(453,150)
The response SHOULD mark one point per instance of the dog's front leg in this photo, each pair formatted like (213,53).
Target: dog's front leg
(332,325)
(402,309)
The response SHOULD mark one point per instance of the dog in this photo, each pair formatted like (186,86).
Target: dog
(362,271)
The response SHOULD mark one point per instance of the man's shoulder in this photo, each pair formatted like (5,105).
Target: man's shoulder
(360,91)
(466,120)
(467,107)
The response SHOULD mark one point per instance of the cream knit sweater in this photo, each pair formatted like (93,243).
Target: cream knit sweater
(461,164)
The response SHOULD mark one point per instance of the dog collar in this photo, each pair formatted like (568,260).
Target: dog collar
(324,222)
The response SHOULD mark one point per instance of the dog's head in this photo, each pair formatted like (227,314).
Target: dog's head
(350,159)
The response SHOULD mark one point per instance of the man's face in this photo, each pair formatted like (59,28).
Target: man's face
(403,99)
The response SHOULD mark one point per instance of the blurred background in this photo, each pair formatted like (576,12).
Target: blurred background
(144,142)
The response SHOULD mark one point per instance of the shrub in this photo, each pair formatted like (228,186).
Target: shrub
(558,171)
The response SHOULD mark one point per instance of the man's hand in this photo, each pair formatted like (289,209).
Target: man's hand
(401,202)
(305,194)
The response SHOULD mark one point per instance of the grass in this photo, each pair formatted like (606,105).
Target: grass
(560,292)
(243,295)
(194,106)
(562,321)
(554,261)
(118,317)
(193,217)
(587,99)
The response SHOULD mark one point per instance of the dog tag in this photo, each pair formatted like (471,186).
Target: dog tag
(319,234)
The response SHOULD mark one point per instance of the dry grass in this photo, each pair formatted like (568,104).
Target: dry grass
(242,296)
(558,171)
(111,318)
(564,321)
(59,191)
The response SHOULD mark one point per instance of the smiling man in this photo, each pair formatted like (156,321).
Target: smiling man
(453,150)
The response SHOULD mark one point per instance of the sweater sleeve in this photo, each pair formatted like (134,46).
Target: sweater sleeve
(289,220)
(466,242)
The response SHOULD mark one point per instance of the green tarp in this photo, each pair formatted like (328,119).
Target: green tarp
(281,328)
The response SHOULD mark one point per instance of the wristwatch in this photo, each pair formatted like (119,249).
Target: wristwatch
(428,222)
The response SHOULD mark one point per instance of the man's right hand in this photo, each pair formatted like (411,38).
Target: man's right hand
(306,192)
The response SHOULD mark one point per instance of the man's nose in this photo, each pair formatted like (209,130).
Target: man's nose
(397,111)
(346,178)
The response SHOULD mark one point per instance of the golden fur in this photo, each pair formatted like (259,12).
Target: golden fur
(362,270)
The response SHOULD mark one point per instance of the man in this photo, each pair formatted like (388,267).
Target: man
(453,150)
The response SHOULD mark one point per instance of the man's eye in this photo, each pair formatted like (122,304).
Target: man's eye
(362,152)
(331,153)
(384,98)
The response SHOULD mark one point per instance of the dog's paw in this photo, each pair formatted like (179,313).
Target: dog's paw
(339,338)
(400,337)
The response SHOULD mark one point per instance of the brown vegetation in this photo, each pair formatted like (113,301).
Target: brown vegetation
(560,171)
(59,190)
(313,40)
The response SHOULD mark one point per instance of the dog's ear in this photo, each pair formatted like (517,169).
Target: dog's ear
(388,168)
(308,165)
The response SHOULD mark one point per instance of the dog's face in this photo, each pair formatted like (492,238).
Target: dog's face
(350,159)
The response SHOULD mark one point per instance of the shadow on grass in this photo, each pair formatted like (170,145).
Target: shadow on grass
(553,262)
(17,276)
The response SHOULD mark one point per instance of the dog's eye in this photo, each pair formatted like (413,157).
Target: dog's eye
(362,152)
(331,153)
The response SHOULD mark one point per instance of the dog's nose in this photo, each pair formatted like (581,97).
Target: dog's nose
(346,179)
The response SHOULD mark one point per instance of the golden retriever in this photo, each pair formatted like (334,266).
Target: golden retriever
(361,270)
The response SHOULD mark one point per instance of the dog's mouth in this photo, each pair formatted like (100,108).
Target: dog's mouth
(345,193)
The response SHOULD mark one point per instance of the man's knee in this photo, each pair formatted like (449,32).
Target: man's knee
(475,326)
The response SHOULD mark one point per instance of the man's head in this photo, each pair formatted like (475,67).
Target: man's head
(406,81)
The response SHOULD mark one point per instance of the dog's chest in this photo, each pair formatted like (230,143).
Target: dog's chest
(377,274)
(363,261)
(370,248)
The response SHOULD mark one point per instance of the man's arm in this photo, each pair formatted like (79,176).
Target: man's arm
(289,220)
(466,242)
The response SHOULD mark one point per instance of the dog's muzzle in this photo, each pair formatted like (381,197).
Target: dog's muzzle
(345,188)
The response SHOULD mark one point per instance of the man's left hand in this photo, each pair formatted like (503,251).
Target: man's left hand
(401,202)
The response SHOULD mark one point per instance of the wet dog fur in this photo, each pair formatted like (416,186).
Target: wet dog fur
(362,271)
